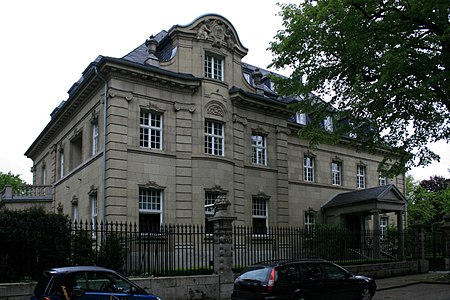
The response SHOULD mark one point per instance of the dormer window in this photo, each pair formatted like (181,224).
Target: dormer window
(300,118)
(214,67)
(328,123)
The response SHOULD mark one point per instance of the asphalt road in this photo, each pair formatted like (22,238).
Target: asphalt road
(422,291)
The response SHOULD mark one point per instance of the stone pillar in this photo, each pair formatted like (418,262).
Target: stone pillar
(223,243)
(376,233)
(401,235)
(446,230)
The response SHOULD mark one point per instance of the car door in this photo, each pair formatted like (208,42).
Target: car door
(313,281)
(338,282)
(287,281)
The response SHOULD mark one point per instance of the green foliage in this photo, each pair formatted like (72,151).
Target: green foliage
(10,179)
(425,205)
(82,250)
(384,65)
(32,240)
(111,254)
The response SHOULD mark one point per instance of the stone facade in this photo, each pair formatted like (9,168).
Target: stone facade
(169,77)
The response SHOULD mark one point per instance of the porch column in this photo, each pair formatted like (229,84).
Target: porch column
(401,235)
(376,233)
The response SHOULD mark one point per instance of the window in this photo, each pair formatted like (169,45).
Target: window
(76,153)
(310,221)
(382,180)
(75,212)
(151,130)
(44,175)
(150,209)
(336,174)
(328,123)
(308,174)
(94,208)
(300,118)
(360,177)
(259,149)
(214,137)
(213,67)
(94,138)
(259,211)
(61,163)
(383,226)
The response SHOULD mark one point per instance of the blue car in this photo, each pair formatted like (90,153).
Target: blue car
(87,282)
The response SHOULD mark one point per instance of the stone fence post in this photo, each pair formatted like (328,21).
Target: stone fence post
(223,243)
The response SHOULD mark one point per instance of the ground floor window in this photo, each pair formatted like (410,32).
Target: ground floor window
(150,210)
(259,212)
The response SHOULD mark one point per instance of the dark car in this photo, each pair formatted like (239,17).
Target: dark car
(87,282)
(311,279)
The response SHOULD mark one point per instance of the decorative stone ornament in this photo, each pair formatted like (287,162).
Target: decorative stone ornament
(217,32)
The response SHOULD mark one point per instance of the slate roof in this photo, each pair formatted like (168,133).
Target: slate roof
(371,194)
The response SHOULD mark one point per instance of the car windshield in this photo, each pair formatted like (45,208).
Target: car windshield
(256,273)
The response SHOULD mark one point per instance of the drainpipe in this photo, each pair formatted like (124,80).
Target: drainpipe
(105,106)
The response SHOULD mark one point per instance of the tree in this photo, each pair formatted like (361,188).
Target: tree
(10,179)
(383,64)
(426,202)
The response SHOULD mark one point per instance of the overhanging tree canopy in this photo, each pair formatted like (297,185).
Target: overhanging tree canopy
(384,65)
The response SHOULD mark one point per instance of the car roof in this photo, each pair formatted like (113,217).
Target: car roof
(78,269)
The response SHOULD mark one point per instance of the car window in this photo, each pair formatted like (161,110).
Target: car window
(334,272)
(288,273)
(101,282)
(311,271)
(257,273)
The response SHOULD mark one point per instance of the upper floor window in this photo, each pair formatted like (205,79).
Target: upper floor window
(94,138)
(308,165)
(214,67)
(300,118)
(336,173)
(44,175)
(382,180)
(214,138)
(151,130)
(360,176)
(61,163)
(259,212)
(150,209)
(259,149)
(384,222)
(328,123)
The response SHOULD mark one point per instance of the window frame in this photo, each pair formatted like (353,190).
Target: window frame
(260,210)
(382,180)
(360,176)
(151,192)
(308,168)
(336,173)
(214,144)
(154,135)
(259,149)
(95,138)
(214,66)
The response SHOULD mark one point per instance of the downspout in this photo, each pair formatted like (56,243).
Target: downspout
(105,106)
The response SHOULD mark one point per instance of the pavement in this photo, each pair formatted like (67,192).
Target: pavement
(436,277)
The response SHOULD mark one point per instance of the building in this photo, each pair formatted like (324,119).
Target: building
(157,135)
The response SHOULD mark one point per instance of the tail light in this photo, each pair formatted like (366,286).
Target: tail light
(271,281)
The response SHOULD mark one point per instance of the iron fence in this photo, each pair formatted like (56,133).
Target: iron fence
(334,244)
(134,250)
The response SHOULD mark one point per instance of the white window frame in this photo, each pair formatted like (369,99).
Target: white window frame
(61,163)
(151,131)
(328,124)
(152,203)
(382,180)
(75,212)
(300,118)
(94,138)
(308,168)
(44,176)
(214,67)
(259,149)
(260,211)
(309,221)
(361,176)
(384,223)
(336,173)
(214,138)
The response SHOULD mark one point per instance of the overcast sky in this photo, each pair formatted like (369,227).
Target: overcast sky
(46,45)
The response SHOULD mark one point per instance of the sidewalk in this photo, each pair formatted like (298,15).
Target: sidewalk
(399,281)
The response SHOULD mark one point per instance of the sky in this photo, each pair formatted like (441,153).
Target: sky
(47,44)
